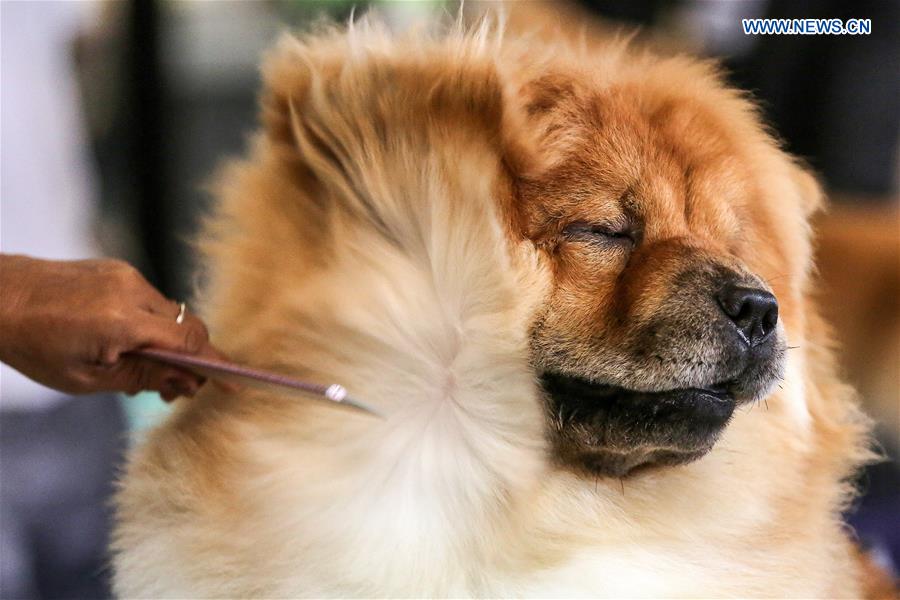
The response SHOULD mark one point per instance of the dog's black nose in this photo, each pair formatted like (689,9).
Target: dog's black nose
(753,311)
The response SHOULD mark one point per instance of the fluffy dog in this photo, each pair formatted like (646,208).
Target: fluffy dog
(576,284)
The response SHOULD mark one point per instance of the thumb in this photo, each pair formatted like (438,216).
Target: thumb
(190,336)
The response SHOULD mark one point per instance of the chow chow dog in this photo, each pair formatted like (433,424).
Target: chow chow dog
(576,285)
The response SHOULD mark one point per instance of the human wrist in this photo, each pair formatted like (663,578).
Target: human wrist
(13,294)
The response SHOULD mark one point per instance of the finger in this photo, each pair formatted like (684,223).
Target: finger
(141,329)
(193,323)
(175,386)
(134,374)
(155,302)
(222,383)
(147,297)
(190,336)
(163,333)
(163,307)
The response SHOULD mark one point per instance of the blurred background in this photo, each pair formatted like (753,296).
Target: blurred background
(116,113)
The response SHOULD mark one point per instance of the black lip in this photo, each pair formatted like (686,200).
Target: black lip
(583,389)
(582,397)
(608,429)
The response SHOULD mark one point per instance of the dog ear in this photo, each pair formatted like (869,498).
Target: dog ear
(547,94)
(468,94)
(542,107)
(354,111)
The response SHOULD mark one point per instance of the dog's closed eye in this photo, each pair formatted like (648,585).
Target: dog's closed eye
(606,234)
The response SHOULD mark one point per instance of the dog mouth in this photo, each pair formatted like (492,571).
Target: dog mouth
(610,430)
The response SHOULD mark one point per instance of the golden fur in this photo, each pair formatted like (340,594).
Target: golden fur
(391,231)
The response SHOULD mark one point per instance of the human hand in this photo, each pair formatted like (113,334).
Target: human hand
(70,324)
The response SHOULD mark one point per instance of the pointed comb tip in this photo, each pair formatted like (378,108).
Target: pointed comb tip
(362,406)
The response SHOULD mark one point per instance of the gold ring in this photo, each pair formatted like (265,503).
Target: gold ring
(182,309)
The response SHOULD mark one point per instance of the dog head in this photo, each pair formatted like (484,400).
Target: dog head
(656,219)
(669,228)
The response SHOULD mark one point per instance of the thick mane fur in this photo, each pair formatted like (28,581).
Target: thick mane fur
(360,204)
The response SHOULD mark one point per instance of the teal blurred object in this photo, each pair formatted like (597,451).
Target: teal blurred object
(143,411)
